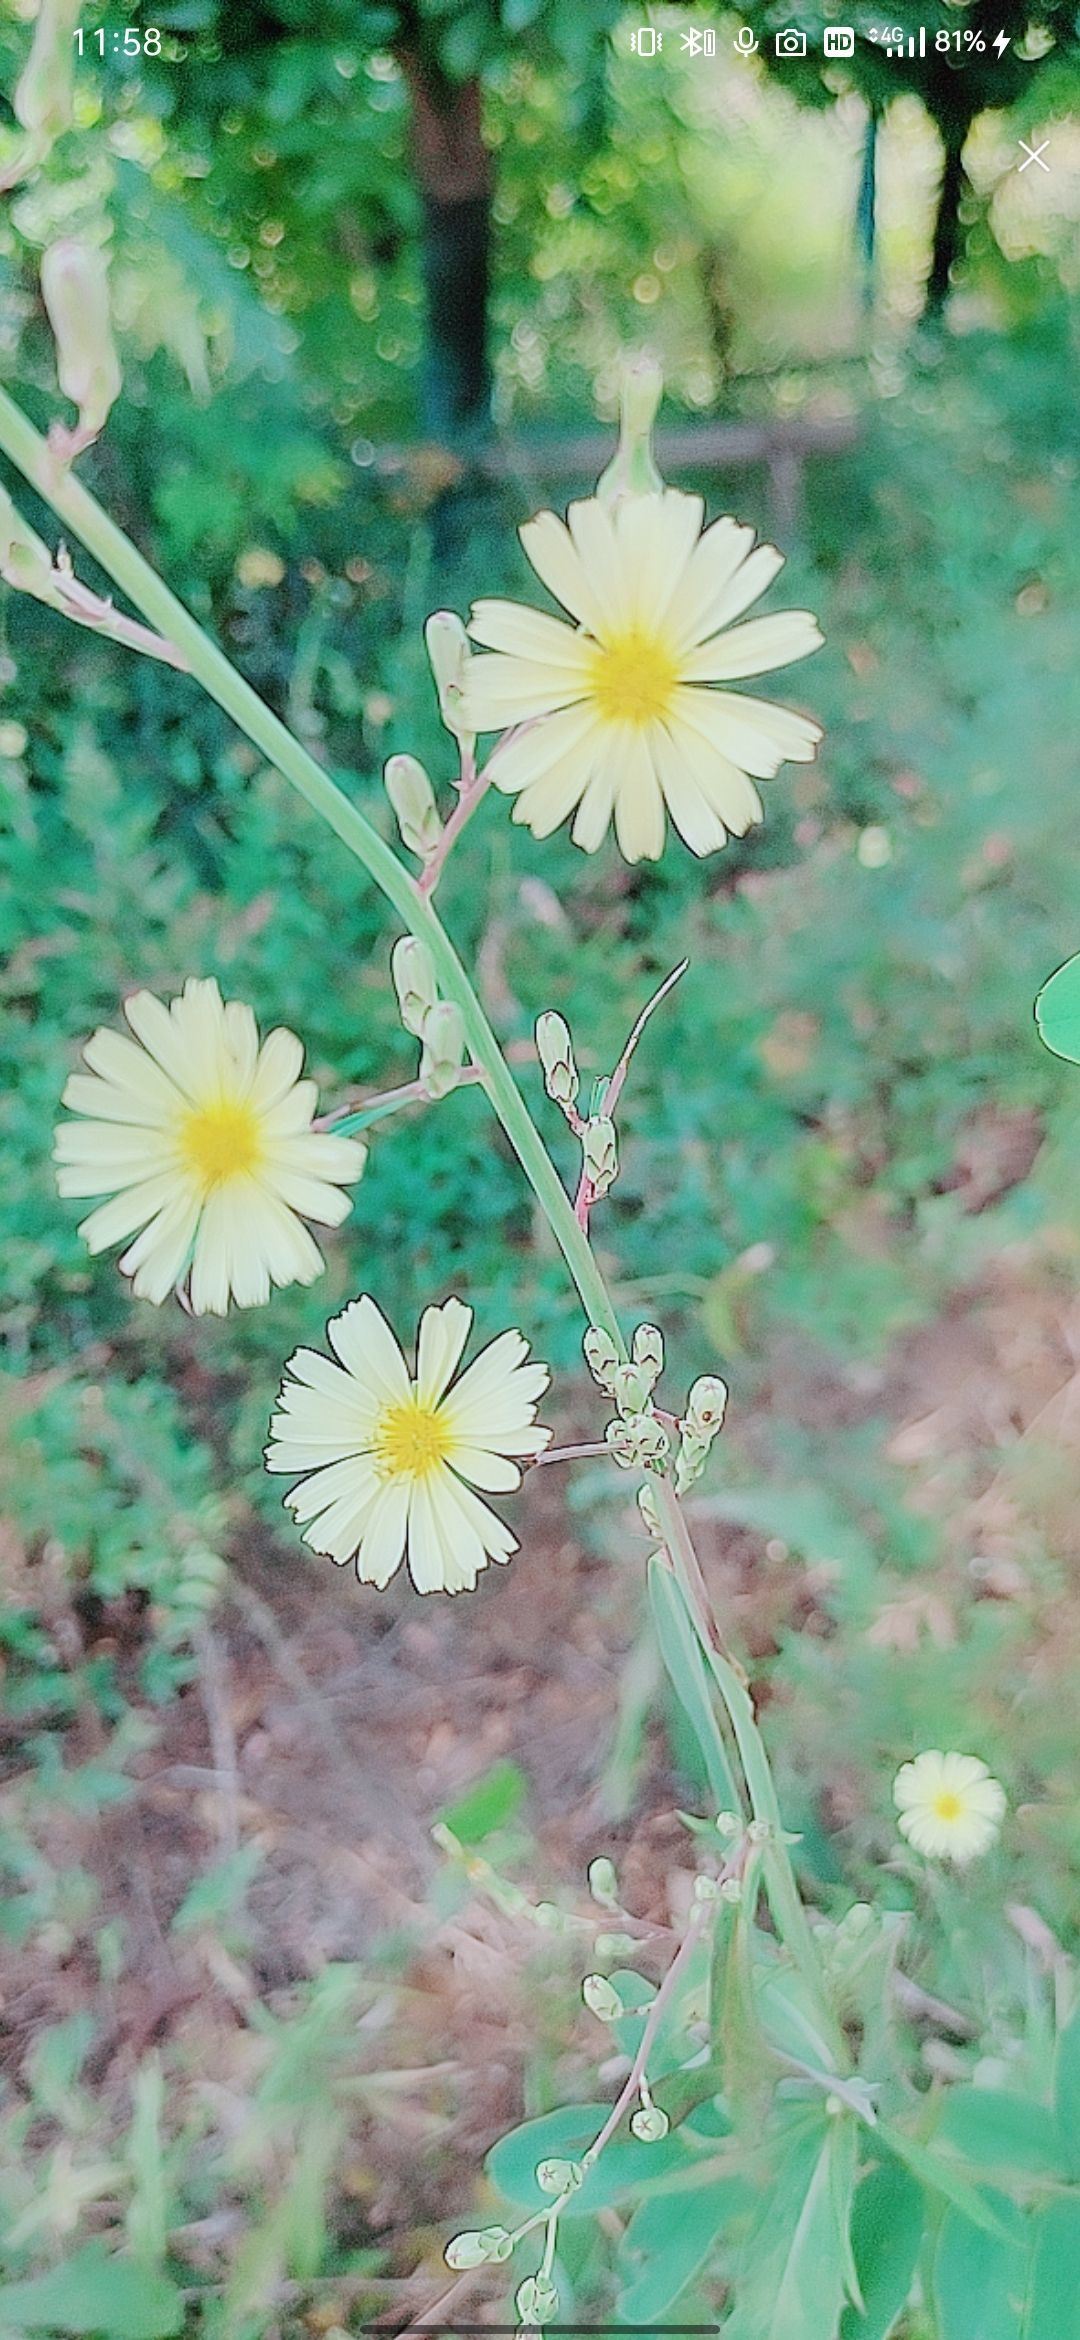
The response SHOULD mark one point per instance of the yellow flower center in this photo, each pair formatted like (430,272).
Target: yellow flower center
(411,1440)
(221,1141)
(947,1805)
(633,678)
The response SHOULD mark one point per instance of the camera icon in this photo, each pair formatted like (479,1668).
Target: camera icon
(839,40)
(791,43)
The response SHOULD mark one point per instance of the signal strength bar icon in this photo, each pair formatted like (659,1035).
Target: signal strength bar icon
(907,48)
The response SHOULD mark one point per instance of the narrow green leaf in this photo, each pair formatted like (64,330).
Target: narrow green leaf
(789,2283)
(1067,2092)
(94,2292)
(979,2282)
(690,1682)
(997,2129)
(1057,1011)
(1053,2308)
(934,2171)
(492,1802)
(668,2242)
(886,2234)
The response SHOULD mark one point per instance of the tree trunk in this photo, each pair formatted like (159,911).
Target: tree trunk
(454,175)
(947,222)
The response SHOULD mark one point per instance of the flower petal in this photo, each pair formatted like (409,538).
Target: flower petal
(443,1334)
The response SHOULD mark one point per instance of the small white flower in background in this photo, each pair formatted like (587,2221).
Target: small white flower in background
(950,1806)
(203,1139)
(620,719)
(390,1459)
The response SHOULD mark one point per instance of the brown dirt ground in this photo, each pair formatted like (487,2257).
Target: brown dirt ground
(332,1723)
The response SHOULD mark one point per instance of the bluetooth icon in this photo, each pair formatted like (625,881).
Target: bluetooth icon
(700,43)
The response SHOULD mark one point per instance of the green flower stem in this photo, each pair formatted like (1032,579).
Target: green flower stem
(792,1923)
(79,511)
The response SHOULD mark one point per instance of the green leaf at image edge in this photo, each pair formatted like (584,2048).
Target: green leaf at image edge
(94,2292)
(1057,1011)
(886,2233)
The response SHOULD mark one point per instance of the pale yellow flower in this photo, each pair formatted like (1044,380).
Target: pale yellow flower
(950,1807)
(390,1459)
(203,1140)
(621,717)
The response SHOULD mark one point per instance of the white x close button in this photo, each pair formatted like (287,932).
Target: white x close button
(1034,155)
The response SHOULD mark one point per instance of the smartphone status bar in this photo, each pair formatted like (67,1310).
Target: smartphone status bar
(837,41)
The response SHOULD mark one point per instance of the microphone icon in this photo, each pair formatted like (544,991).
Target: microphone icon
(745,41)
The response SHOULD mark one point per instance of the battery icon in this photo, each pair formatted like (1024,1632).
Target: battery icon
(646,40)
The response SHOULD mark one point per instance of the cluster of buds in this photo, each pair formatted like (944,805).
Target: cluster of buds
(699,1425)
(485,2246)
(413,800)
(436,1023)
(636,1437)
(596,1129)
(449,652)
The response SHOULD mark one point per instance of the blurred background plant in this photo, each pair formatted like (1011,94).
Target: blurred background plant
(254,2024)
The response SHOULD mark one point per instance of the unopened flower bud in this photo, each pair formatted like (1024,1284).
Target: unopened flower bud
(632,471)
(75,290)
(413,799)
(556,1052)
(25,561)
(443,1049)
(646,1503)
(483,2247)
(728,1824)
(449,652)
(558,2176)
(758,1832)
(603,1882)
(601,1998)
(649,2124)
(414,981)
(706,1889)
(614,1945)
(601,1356)
(43,94)
(705,1406)
(639,1442)
(691,1460)
(731,1890)
(550,1918)
(631,1388)
(600,1149)
(536,2300)
(648,1349)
